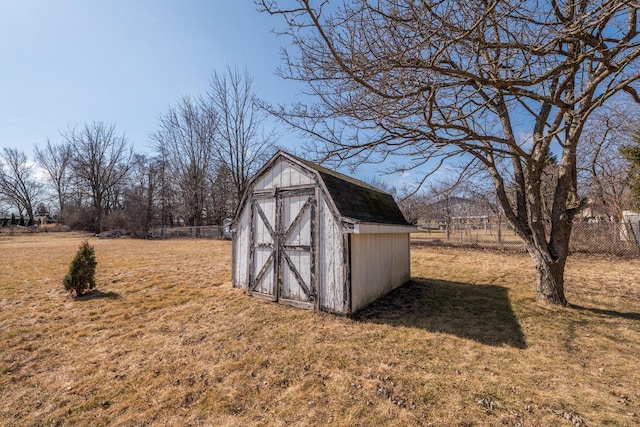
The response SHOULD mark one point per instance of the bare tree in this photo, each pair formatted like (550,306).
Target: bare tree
(185,142)
(431,80)
(446,204)
(100,162)
(413,204)
(631,153)
(222,200)
(56,160)
(601,167)
(17,183)
(241,142)
(139,205)
(167,193)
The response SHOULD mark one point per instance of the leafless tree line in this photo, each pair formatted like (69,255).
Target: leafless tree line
(205,150)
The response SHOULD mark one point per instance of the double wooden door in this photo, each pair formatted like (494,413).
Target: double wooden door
(283,237)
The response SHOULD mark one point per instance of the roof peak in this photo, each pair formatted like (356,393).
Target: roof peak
(353,198)
(333,173)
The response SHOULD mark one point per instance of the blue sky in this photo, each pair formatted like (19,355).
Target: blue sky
(65,63)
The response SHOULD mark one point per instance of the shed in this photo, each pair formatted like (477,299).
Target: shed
(308,236)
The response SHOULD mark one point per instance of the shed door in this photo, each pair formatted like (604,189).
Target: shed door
(283,249)
(263,247)
(297,245)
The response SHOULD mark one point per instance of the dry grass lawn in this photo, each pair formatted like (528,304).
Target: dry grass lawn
(470,237)
(168,341)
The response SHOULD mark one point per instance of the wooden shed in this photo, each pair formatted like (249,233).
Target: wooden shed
(308,236)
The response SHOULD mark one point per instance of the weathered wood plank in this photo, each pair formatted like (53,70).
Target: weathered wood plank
(266,221)
(293,190)
(296,274)
(298,219)
(252,233)
(267,297)
(300,248)
(295,303)
(277,265)
(347,272)
(314,243)
(263,271)
(263,245)
(240,252)
(330,272)
(283,174)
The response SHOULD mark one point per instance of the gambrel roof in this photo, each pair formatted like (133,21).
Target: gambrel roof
(367,208)
(356,199)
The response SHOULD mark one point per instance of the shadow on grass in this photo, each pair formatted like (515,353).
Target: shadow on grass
(608,313)
(479,312)
(97,294)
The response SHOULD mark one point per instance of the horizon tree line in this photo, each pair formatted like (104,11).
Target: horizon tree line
(138,191)
(206,147)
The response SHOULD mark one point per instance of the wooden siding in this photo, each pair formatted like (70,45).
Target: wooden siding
(330,252)
(283,174)
(292,245)
(379,264)
(241,251)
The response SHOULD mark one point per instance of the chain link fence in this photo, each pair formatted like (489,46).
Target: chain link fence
(215,232)
(595,238)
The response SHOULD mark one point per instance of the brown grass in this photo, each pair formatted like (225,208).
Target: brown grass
(469,237)
(168,341)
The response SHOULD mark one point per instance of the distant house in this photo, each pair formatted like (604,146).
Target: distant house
(307,236)
(42,219)
(632,231)
(455,211)
(593,213)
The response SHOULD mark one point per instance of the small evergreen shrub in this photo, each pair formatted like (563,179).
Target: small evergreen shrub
(82,270)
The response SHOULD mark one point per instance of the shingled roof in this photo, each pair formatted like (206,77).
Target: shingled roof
(358,200)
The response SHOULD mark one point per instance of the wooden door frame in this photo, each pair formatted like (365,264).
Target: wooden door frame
(310,289)
(252,282)
(279,236)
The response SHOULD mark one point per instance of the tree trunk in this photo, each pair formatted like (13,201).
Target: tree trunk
(550,277)
(30,215)
(98,214)
(98,225)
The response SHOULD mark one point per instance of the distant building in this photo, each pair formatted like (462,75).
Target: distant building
(632,231)
(455,211)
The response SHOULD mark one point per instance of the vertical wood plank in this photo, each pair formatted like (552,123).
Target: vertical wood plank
(283,174)
(313,242)
(380,263)
(330,276)
(347,267)
(277,265)
(241,249)
(252,234)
